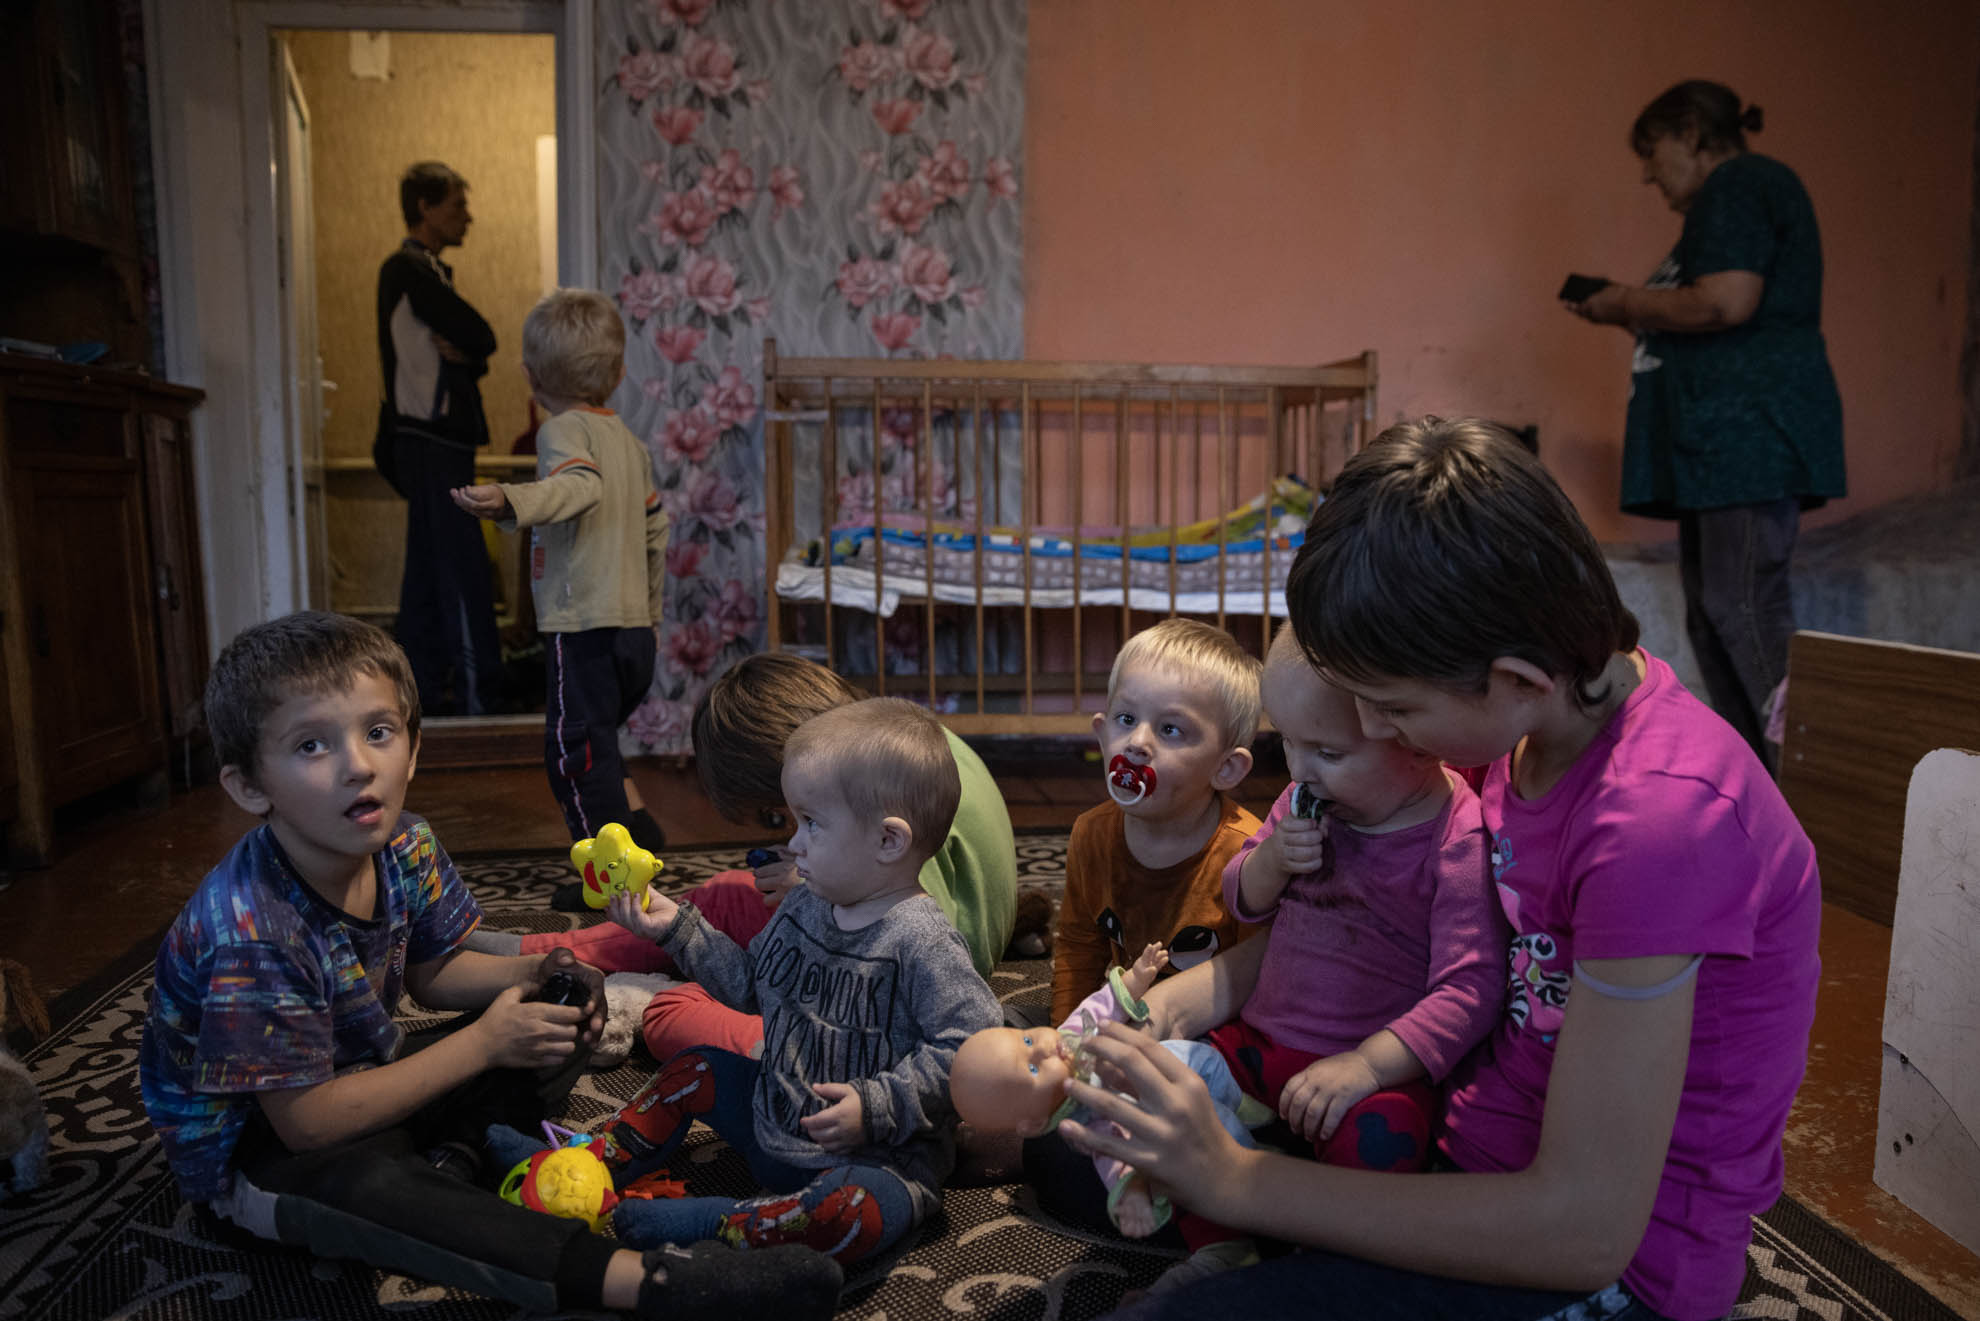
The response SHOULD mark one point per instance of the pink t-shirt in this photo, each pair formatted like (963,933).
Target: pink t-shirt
(1665,837)
(1406,934)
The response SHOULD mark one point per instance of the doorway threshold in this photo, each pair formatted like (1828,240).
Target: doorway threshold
(464,743)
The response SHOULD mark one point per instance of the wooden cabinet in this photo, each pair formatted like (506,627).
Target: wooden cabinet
(71,254)
(66,151)
(178,589)
(102,628)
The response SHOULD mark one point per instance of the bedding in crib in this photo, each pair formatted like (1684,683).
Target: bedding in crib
(1234,563)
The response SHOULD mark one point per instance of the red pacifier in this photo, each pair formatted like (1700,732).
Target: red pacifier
(1127,782)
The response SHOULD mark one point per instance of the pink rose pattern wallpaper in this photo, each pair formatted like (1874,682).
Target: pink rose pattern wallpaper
(842,175)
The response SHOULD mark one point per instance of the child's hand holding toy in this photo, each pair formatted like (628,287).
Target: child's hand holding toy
(775,874)
(612,864)
(650,922)
(1298,843)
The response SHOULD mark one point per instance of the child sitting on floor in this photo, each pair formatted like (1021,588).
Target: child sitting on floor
(288,1100)
(1182,707)
(598,559)
(865,991)
(741,725)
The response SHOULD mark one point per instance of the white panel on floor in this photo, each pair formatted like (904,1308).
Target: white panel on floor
(1928,1111)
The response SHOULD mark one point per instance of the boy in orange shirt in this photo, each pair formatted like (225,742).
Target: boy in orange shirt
(1147,867)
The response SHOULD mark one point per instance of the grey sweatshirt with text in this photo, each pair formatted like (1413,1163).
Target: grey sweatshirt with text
(883,1008)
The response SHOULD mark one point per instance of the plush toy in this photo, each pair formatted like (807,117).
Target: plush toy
(611,864)
(626,996)
(23,1123)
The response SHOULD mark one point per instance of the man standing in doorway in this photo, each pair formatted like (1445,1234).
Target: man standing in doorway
(435,349)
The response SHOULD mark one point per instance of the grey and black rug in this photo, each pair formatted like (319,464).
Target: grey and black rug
(107,1236)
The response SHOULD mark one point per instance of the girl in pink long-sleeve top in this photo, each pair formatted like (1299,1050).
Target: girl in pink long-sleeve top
(1386,960)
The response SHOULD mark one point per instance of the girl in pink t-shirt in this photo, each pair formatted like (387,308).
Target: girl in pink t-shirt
(1624,1124)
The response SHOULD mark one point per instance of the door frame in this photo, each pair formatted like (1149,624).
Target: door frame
(225,329)
(302,363)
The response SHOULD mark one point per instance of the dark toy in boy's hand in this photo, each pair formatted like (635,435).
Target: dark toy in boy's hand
(562,988)
(756,858)
(1129,782)
(1580,288)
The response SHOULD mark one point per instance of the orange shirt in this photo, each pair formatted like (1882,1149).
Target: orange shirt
(1114,906)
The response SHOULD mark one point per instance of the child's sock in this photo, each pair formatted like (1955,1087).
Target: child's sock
(711,1282)
(1211,1259)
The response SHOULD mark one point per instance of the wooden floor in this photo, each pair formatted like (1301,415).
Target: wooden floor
(122,876)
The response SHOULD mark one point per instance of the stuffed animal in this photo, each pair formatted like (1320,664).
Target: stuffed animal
(23,1123)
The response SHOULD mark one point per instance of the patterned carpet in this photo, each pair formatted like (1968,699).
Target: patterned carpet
(107,1236)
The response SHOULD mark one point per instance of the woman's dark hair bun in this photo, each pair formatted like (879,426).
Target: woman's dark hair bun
(1752,120)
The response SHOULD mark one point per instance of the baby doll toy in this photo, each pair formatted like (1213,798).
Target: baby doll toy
(612,864)
(1007,1079)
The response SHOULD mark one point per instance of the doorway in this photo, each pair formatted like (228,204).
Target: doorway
(354,108)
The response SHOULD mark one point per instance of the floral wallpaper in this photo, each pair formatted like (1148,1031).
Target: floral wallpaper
(842,175)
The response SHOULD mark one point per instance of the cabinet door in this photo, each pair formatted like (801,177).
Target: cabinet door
(175,577)
(90,160)
(80,516)
(27,197)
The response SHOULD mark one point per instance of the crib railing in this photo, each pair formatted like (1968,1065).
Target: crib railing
(1145,456)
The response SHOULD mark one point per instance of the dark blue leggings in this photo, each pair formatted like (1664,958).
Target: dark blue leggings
(845,1211)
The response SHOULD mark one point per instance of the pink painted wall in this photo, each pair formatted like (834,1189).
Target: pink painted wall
(1291,181)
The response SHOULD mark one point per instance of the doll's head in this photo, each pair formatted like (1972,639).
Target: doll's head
(1010,1080)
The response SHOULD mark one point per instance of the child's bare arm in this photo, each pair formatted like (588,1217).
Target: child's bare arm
(509,1034)
(1190,1003)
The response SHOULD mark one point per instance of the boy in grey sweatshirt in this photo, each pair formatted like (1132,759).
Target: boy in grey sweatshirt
(866,992)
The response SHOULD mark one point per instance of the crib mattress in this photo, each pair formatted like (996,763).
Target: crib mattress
(1148,588)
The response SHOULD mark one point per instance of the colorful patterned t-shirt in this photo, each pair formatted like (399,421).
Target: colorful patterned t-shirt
(262,985)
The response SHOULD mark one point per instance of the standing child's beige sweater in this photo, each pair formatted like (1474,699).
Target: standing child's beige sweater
(599,536)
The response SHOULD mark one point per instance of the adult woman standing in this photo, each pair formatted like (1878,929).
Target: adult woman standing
(1734,422)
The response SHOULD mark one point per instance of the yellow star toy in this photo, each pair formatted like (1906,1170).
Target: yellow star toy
(611,864)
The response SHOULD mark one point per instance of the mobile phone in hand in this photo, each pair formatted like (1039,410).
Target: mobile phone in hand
(1580,288)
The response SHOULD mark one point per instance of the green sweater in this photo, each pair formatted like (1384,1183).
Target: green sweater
(974,874)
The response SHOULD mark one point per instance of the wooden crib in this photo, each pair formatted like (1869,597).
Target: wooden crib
(983,535)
